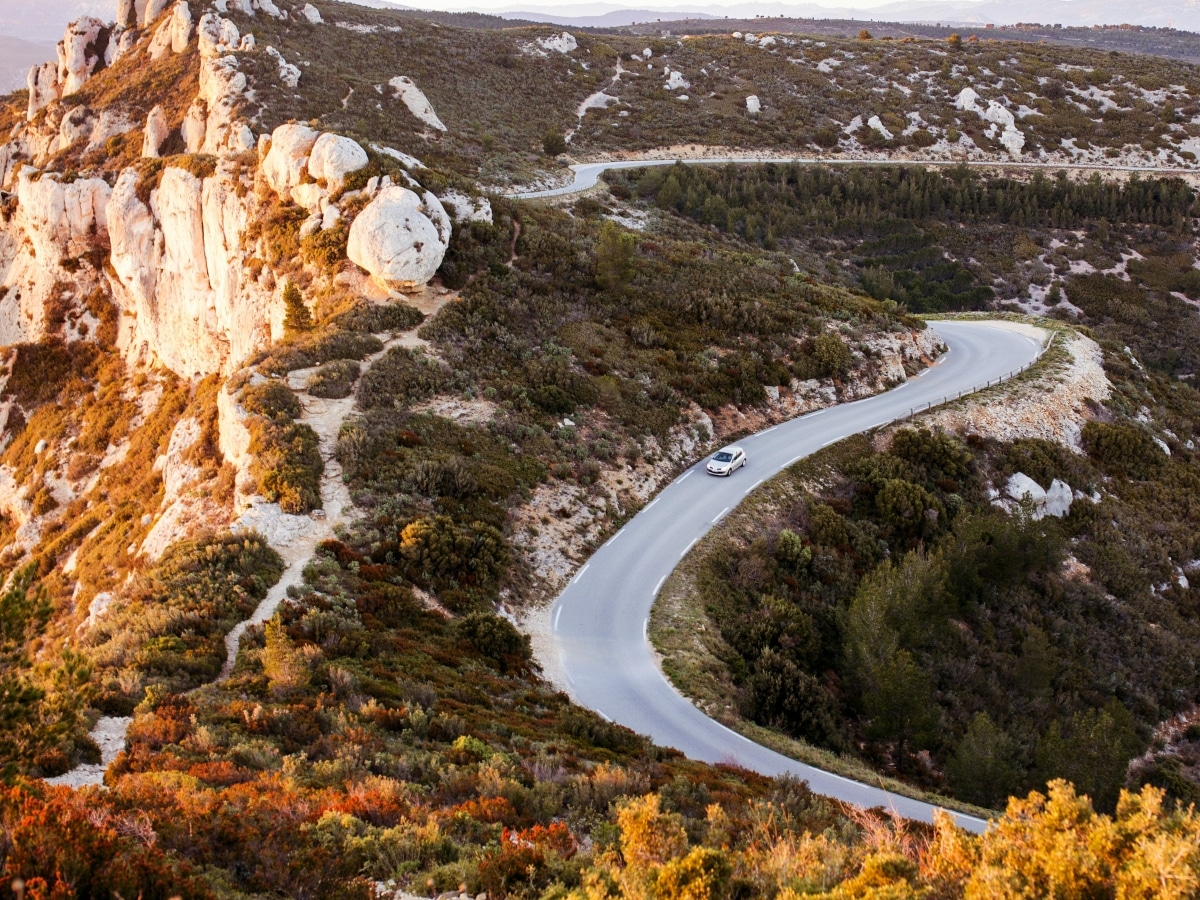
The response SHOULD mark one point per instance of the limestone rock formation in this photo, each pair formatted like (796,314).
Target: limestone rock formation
(287,161)
(179,263)
(81,53)
(222,86)
(181,26)
(312,14)
(153,9)
(194,126)
(1054,502)
(416,101)
(333,157)
(400,238)
(155,134)
(127,16)
(54,221)
(42,82)
(217,35)
(467,209)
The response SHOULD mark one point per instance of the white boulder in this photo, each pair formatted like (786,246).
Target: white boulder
(876,124)
(753,106)
(287,160)
(1021,486)
(1058,499)
(559,43)
(312,14)
(676,81)
(333,157)
(400,238)
(1053,502)
(155,134)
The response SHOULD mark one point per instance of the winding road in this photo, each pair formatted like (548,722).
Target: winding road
(586,175)
(600,622)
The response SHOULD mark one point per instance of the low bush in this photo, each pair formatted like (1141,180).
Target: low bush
(169,628)
(334,380)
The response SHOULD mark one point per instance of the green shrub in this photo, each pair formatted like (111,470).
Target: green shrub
(287,464)
(296,317)
(272,400)
(401,377)
(334,380)
(495,638)
(1123,449)
(320,347)
(171,626)
(831,356)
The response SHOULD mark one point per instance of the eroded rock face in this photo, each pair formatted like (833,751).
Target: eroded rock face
(194,126)
(217,35)
(333,157)
(221,87)
(179,263)
(400,238)
(81,53)
(152,10)
(53,222)
(42,82)
(155,134)
(287,160)
(181,26)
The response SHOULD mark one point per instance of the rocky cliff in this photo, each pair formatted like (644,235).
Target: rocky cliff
(166,234)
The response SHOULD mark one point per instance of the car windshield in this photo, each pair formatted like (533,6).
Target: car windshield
(723,456)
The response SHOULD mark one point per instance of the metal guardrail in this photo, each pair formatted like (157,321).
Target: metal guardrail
(979,387)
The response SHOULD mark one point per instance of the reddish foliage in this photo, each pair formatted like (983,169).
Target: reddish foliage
(221,773)
(487,809)
(68,844)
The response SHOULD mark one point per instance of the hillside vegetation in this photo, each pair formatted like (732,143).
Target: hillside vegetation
(299,410)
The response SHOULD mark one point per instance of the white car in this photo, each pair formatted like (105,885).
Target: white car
(726,461)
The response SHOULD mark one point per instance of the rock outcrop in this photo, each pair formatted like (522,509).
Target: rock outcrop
(83,51)
(400,238)
(286,163)
(333,157)
(179,263)
(155,134)
(54,222)
(416,101)
(1055,502)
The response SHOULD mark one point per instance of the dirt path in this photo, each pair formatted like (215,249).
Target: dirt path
(294,537)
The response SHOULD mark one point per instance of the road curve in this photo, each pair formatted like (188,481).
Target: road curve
(599,623)
(585,175)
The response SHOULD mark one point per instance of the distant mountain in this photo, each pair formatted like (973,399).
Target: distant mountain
(617,18)
(16,58)
(1180,14)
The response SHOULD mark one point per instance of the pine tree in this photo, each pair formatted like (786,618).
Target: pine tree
(297,317)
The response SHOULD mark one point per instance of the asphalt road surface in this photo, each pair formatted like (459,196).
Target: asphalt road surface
(600,621)
(585,175)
